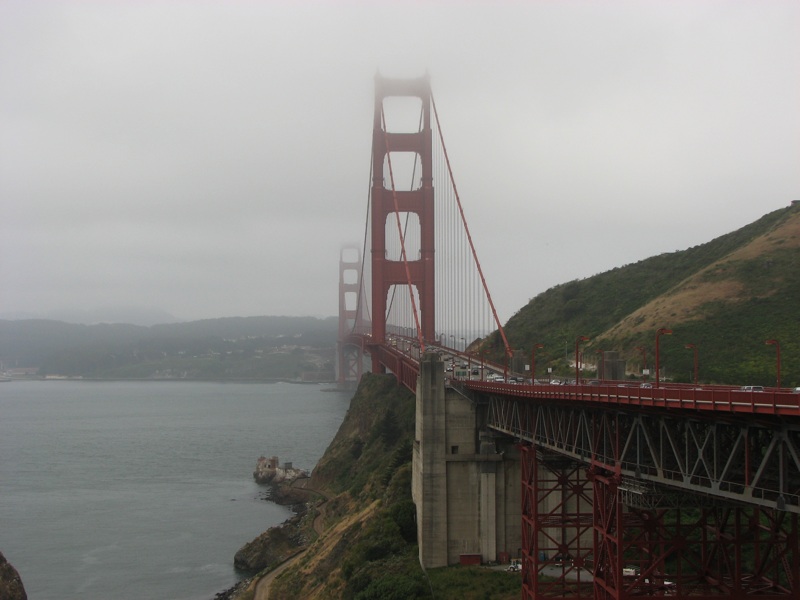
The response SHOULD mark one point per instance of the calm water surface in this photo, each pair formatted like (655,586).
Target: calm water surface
(144,490)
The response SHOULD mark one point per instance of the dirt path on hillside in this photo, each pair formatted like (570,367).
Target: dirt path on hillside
(262,584)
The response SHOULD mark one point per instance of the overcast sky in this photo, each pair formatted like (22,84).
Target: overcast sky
(210,158)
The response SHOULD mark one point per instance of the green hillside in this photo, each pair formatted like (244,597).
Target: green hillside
(726,296)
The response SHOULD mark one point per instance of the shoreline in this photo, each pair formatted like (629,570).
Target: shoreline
(298,500)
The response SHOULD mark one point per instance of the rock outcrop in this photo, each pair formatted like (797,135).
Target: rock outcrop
(11,587)
(268,471)
(281,542)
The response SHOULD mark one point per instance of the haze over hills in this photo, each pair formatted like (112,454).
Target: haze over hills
(252,348)
(130,315)
(727,296)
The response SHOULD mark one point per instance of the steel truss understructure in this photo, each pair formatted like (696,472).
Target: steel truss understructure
(650,504)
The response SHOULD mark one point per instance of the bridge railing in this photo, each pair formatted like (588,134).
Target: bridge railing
(717,399)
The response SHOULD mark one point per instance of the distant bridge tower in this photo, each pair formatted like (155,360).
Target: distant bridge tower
(349,352)
(387,202)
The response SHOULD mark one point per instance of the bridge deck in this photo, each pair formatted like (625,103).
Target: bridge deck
(718,399)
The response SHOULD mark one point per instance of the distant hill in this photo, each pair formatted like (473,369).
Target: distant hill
(129,315)
(229,348)
(726,296)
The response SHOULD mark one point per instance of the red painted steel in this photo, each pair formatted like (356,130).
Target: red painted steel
(556,527)
(349,349)
(710,399)
(385,203)
(653,542)
(599,518)
(689,547)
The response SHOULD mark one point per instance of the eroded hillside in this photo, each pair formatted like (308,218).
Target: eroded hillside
(726,296)
(758,269)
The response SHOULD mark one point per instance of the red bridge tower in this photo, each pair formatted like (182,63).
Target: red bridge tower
(388,202)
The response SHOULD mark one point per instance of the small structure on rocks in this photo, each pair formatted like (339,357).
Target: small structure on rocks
(268,471)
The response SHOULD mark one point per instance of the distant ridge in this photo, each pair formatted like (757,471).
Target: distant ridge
(144,317)
(241,348)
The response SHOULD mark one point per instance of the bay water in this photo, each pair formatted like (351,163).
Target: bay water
(144,490)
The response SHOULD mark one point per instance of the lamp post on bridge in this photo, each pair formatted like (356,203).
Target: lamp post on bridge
(778,359)
(581,338)
(533,362)
(643,350)
(659,333)
(694,347)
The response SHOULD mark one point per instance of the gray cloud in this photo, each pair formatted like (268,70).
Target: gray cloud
(210,158)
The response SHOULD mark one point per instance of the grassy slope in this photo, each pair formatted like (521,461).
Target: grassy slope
(726,296)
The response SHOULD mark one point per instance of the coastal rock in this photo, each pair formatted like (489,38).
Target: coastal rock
(236,591)
(11,587)
(268,471)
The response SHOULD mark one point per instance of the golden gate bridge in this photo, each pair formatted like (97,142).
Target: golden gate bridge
(626,491)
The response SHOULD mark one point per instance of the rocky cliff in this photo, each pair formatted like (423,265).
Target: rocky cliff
(356,537)
(11,587)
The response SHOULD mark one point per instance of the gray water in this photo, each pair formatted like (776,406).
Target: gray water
(144,490)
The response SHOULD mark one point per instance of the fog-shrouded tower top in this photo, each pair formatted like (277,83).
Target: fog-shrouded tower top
(414,275)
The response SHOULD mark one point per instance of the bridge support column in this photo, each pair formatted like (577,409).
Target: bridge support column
(429,474)
(556,525)
(651,545)
(609,527)
(725,552)
(488,503)
(465,481)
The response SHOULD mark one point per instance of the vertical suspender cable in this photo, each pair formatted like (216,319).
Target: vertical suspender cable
(466,230)
(361,301)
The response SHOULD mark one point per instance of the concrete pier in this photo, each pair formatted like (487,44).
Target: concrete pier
(466,480)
